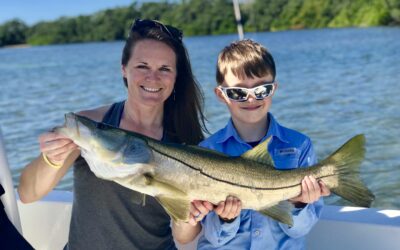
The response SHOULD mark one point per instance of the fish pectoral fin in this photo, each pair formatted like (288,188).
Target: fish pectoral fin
(281,212)
(178,209)
(164,188)
(172,199)
(260,154)
(138,198)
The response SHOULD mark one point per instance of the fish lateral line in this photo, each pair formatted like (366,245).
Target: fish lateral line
(225,181)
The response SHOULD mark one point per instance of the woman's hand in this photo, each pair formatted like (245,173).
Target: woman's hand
(311,191)
(229,209)
(186,232)
(56,147)
(199,210)
(38,178)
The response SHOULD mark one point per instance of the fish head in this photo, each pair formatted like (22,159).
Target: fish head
(78,130)
(107,143)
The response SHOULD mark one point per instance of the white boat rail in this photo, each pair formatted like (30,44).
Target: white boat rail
(341,228)
(9,197)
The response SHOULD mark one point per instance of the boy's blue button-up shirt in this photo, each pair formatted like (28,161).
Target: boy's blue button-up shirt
(251,230)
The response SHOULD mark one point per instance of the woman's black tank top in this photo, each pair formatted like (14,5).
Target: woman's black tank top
(106,215)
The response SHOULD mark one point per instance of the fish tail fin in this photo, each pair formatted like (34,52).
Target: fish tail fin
(344,178)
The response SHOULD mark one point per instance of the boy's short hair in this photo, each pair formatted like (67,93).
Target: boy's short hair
(245,58)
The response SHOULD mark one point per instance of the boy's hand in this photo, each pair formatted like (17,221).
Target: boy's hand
(229,209)
(199,210)
(311,191)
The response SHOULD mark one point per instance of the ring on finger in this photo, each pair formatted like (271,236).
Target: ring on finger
(197,216)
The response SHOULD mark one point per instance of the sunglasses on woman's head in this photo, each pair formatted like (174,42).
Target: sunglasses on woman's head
(239,94)
(172,32)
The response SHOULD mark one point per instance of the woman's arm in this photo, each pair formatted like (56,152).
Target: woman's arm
(186,232)
(39,177)
(222,225)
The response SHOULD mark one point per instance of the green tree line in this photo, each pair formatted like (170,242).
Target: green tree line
(205,17)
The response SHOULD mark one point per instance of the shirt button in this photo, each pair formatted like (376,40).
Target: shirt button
(257,233)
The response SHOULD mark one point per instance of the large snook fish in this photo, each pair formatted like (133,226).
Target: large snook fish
(177,174)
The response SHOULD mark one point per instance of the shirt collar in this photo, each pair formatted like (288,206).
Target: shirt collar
(274,130)
(228,132)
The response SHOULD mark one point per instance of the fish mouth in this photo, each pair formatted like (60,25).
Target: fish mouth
(151,90)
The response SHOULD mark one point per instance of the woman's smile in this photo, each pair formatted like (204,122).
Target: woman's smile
(151,90)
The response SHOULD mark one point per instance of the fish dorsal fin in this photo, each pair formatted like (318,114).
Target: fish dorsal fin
(280,212)
(260,154)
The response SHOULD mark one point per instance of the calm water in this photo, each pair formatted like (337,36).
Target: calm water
(334,84)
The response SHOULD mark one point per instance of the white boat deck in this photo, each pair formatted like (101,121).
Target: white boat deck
(45,225)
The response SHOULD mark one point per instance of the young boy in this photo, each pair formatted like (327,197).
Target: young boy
(246,78)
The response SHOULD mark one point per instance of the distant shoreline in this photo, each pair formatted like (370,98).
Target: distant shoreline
(17,46)
(189,16)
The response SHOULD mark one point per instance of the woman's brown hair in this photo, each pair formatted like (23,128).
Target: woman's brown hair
(184,121)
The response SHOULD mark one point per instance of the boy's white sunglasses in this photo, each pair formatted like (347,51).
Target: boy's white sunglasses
(239,94)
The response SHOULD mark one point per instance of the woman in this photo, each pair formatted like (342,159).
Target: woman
(164,102)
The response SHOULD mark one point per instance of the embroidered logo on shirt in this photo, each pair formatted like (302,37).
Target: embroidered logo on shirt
(286,151)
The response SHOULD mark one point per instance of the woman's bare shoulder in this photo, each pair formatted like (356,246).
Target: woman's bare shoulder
(95,114)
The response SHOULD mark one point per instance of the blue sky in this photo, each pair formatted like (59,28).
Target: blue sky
(33,11)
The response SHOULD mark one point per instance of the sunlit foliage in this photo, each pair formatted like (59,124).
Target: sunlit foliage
(206,17)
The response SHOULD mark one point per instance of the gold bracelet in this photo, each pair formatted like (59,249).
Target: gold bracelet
(49,163)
